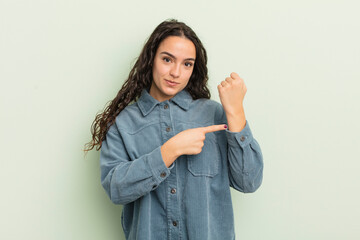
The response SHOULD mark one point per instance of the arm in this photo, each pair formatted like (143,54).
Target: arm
(244,153)
(245,160)
(123,180)
(189,141)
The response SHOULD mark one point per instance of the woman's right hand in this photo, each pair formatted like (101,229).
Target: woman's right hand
(187,142)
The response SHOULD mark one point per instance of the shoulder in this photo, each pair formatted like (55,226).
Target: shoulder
(127,117)
(204,102)
(209,108)
(209,104)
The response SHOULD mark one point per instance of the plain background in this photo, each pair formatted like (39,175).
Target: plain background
(62,61)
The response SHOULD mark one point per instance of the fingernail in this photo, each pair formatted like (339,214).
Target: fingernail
(225,126)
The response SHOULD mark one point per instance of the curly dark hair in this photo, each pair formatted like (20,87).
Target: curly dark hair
(140,77)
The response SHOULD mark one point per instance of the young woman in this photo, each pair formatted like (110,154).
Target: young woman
(169,154)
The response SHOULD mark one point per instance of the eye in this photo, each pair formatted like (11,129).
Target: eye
(188,64)
(166,59)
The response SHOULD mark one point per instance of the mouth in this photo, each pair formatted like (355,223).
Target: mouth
(171,83)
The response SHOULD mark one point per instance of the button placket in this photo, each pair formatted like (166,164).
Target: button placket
(172,210)
(165,120)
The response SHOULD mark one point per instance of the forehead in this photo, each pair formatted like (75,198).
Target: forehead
(180,47)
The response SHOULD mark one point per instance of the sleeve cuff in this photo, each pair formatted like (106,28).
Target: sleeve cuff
(242,138)
(158,167)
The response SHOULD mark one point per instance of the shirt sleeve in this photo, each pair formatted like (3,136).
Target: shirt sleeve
(126,180)
(245,159)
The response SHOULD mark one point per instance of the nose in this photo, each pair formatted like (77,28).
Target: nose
(175,71)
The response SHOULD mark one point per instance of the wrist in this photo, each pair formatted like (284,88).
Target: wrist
(169,152)
(236,120)
(235,112)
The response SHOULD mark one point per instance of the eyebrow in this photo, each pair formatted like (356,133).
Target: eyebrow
(187,59)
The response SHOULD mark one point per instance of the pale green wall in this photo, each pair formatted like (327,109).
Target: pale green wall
(61,61)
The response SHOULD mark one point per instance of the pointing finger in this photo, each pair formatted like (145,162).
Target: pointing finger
(214,128)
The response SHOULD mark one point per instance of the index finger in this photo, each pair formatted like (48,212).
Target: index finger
(234,75)
(214,128)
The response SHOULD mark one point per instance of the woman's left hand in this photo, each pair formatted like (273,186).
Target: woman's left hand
(232,92)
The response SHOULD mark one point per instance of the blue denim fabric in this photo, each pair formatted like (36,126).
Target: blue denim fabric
(190,199)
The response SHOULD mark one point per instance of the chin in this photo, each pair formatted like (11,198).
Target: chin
(171,91)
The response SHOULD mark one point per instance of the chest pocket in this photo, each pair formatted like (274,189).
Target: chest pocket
(207,162)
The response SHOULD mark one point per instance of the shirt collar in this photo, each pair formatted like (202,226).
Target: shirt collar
(147,103)
(183,99)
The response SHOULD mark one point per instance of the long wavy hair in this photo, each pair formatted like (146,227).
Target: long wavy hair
(140,77)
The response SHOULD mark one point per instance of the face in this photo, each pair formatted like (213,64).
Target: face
(173,65)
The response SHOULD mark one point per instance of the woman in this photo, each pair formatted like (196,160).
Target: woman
(170,156)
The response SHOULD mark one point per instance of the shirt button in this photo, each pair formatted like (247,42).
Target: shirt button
(168,129)
(173,190)
(174,223)
(166,106)
(163,174)
(242,138)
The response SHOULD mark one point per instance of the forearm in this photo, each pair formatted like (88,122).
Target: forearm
(236,120)
(125,181)
(245,160)
(246,172)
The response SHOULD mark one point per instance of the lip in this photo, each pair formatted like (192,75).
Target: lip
(171,83)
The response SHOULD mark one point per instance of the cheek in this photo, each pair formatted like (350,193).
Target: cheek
(188,74)
(161,69)
(158,69)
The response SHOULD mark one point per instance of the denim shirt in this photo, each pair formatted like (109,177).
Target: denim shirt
(191,198)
